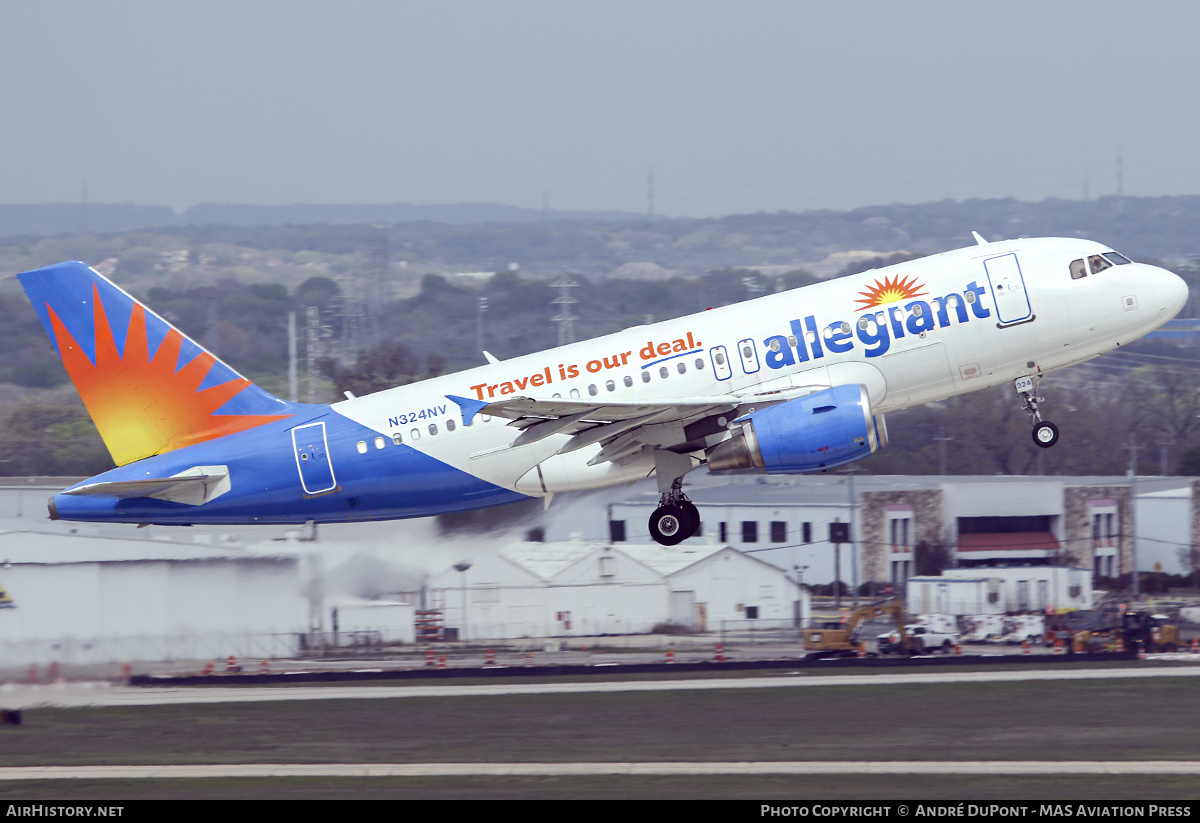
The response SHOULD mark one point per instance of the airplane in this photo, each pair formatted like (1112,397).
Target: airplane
(793,382)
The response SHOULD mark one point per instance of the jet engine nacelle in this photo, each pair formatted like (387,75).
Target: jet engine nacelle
(809,434)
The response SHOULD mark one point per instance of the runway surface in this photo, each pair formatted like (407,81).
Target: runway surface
(102,694)
(938,767)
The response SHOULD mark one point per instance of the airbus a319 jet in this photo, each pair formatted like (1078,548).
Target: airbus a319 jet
(794,382)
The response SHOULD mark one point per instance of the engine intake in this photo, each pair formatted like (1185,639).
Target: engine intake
(809,434)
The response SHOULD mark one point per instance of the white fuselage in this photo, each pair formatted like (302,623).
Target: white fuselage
(917,332)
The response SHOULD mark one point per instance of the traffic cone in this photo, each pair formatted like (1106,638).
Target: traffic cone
(231,664)
(126,671)
(491,658)
(209,668)
(442,662)
(670,655)
(720,652)
(862,650)
(958,649)
(429,658)
(1025,647)
(1195,647)
(1141,650)
(264,667)
(1120,645)
(1058,646)
(529,658)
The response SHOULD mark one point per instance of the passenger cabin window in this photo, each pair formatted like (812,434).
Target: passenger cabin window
(397,439)
(681,367)
(628,381)
(362,446)
(645,377)
(592,389)
(1077,269)
(379,442)
(449,425)
(1098,264)
(433,428)
(610,385)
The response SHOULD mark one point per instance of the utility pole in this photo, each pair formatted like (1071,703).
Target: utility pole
(1133,449)
(942,440)
(564,318)
(480,310)
(293,391)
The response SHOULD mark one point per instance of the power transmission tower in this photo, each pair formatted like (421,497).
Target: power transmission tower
(564,318)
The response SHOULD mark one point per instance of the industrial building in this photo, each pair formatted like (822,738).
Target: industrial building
(110,593)
(1084,522)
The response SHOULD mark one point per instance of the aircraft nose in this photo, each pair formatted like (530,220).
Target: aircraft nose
(1172,291)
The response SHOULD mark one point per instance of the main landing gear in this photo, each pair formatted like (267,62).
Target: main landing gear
(1045,433)
(676,518)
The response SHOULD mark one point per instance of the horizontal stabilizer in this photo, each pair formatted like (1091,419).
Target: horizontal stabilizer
(194,487)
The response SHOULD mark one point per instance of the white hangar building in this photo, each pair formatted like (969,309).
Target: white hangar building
(590,588)
(94,599)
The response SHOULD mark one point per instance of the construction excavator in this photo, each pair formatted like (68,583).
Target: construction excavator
(841,639)
(6,601)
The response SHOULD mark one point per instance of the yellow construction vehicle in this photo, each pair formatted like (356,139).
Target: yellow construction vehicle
(1152,631)
(6,602)
(841,639)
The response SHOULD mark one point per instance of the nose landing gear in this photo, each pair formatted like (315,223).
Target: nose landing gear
(1045,433)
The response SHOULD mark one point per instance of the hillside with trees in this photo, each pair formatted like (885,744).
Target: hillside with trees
(390,304)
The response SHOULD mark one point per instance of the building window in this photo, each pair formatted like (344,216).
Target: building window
(723,533)
(900,529)
(749,531)
(806,532)
(616,531)
(778,531)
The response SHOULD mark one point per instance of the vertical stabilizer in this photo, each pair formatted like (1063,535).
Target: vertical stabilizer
(148,387)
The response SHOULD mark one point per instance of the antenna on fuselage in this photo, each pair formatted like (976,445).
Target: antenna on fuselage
(979,238)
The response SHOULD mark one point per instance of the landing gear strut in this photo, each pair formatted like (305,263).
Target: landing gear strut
(676,518)
(1045,433)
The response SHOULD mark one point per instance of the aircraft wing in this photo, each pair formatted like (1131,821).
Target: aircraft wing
(623,427)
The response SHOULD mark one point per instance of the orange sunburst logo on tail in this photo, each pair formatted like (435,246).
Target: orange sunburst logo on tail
(891,290)
(141,406)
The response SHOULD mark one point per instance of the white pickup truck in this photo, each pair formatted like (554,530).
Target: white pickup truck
(920,639)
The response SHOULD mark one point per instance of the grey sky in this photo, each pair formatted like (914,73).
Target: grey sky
(738,106)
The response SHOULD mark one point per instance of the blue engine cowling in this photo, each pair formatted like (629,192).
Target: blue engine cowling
(809,434)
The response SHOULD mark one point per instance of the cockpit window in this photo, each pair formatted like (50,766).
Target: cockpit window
(1119,259)
(1078,270)
(1098,264)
